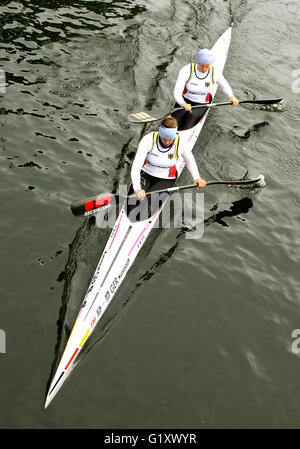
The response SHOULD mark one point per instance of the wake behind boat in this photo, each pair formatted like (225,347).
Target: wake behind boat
(123,246)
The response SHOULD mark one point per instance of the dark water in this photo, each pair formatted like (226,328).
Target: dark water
(200,333)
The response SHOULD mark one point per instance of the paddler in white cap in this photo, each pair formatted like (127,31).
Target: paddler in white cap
(154,166)
(193,87)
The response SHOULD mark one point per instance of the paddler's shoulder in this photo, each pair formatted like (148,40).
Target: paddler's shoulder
(147,139)
(186,69)
(217,71)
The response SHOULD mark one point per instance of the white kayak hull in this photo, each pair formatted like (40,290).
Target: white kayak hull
(123,246)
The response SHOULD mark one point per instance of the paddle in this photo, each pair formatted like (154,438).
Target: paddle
(97,203)
(153,116)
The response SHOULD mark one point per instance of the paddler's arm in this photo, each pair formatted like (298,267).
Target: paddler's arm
(223,83)
(138,163)
(193,169)
(184,74)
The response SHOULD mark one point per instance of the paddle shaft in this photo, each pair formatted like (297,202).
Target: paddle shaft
(91,205)
(211,105)
(154,116)
(209,183)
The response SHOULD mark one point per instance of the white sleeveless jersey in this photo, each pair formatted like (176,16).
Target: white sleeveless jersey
(199,85)
(161,162)
(158,161)
(195,86)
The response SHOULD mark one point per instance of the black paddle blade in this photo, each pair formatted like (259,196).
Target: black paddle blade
(262,101)
(93,204)
(259,181)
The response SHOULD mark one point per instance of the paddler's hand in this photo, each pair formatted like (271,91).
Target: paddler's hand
(140,194)
(234,100)
(187,106)
(200,183)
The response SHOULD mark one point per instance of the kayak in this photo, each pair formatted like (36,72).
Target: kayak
(122,248)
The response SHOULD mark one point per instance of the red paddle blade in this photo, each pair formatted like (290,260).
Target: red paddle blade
(93,205)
